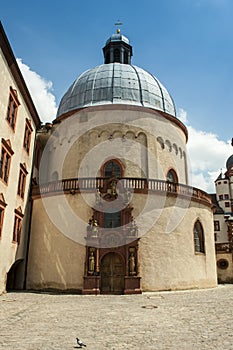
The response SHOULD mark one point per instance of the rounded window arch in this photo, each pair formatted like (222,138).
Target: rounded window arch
(172,176)
(55,176)
(199,239)
(112,168)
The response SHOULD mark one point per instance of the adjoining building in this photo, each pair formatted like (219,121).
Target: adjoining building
(223,223)
(19,122)
(112,208)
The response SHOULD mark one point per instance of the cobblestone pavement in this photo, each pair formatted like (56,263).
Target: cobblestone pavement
(197,319)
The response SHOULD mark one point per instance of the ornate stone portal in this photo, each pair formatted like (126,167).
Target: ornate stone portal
(112,262)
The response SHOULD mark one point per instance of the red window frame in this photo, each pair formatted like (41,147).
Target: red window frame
(12,108)
(112,162)
(17,225)
(5,161)
(2,211)
(27,135)
(22,180)
(172,176)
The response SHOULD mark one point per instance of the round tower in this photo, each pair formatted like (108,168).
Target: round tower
(113,194)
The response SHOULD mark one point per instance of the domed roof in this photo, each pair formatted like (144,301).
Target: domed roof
(229,163)
(116,83)
(117,37)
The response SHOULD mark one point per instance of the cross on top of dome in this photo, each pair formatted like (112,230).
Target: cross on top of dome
(118,23)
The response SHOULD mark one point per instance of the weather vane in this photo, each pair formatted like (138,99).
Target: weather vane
(118,23)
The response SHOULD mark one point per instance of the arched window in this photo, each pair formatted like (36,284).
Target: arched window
(112,169)
(107,58)
(126,57)
(55,176)
(117,55)
(199,241)
(172,176)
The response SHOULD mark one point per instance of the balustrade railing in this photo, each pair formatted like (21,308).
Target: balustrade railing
(136,184)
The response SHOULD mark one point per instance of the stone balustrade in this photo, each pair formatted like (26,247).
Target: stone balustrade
(136,185)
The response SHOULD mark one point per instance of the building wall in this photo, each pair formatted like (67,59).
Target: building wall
(167,260)
(56,256)
(223,191)
(9,249)
(225,267)
(149,144)
(222,234)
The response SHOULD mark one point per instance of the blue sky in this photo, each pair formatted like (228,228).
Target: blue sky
(186,44)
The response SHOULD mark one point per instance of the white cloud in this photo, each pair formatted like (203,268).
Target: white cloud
(207,156)
(41,92)
(182,115)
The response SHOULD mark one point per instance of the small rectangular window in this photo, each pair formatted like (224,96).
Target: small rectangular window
(221,197)
(22,180)
(216,225)
(27,135)
(17,226)
(1,219)
(2,210)
(227,204)
(12,108)
(226,196)
(5,160)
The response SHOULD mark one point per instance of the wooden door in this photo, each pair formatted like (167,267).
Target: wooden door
(112,274)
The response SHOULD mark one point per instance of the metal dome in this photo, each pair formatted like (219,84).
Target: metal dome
(116,83)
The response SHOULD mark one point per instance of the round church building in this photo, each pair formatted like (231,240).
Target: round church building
(112,209)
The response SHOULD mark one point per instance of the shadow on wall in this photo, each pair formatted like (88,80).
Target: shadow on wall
(56,264)
(12,275)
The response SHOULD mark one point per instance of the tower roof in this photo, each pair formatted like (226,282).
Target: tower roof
(116,83)
(118,37)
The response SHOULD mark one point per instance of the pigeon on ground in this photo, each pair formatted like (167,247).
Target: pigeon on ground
(80,343)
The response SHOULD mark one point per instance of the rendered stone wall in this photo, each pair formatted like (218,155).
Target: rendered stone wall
(7,248)
(56,259)
(147,143)
(167,260)
(225,273)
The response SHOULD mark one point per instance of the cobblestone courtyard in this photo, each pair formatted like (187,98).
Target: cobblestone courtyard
(197,319)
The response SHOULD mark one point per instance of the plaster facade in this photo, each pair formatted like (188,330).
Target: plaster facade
(57,257)
(12,82)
